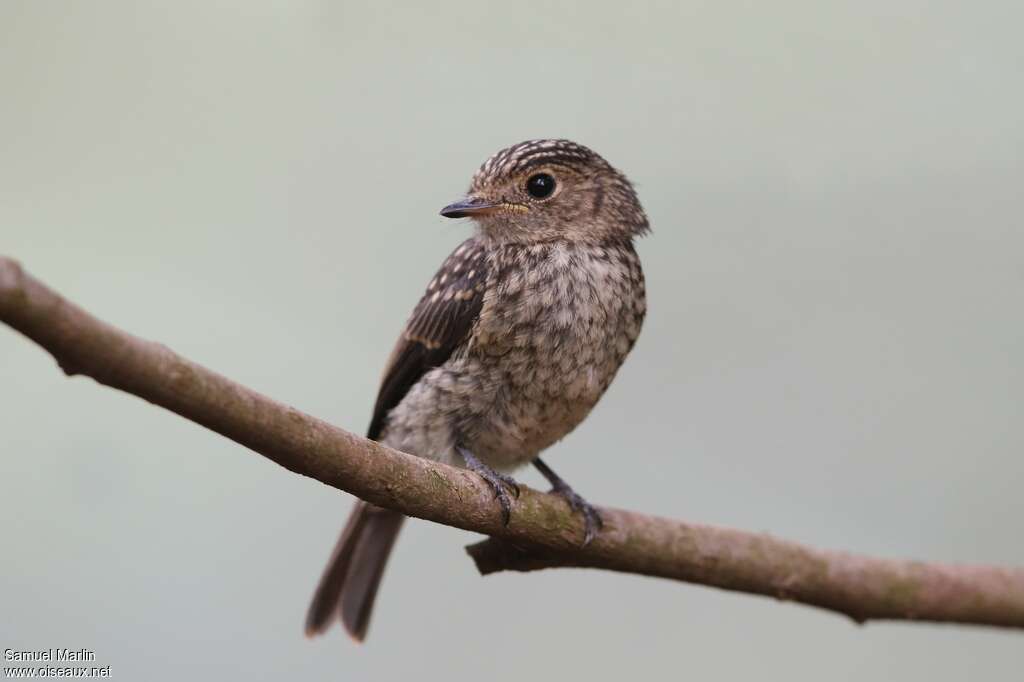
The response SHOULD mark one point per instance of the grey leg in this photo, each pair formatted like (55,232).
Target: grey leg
(501,483)
(591,519)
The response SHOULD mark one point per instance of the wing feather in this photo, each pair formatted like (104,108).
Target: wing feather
(439,323)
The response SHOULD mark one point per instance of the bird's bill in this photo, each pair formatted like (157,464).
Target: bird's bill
(471,206)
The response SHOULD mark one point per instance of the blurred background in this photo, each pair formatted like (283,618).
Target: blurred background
(833,352)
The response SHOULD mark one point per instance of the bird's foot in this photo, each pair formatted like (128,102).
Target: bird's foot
(505,487)
(592,522)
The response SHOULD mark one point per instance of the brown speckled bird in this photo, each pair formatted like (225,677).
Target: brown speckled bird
(514,341)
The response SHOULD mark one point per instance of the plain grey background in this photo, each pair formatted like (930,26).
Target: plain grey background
(833,352)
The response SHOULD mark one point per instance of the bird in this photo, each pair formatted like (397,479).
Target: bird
(515,339)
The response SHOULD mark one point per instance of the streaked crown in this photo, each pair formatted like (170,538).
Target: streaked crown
(544,189)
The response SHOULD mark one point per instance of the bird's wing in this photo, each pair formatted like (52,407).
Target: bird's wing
(440,322)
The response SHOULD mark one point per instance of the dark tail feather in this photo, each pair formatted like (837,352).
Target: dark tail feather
(350,581)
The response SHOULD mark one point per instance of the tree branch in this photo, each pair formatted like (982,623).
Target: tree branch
(543,532)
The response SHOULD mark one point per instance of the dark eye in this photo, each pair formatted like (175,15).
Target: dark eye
(540,186)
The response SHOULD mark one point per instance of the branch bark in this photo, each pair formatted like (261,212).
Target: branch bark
(543,533)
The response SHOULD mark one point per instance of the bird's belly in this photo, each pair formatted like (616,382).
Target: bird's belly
(505,409)
(532,409)
(538,360)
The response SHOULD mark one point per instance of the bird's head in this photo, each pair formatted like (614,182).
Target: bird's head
(541,190)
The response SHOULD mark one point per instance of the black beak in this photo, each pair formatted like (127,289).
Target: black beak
(468,207)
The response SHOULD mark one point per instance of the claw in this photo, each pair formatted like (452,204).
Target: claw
(503,500)
(592,522)
(501,483)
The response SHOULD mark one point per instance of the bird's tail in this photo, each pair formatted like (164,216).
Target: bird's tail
(350,581)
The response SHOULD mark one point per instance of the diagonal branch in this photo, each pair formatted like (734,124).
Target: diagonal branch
(543,532)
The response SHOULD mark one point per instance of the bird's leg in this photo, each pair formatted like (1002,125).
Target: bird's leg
(592,522)
(501,483)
